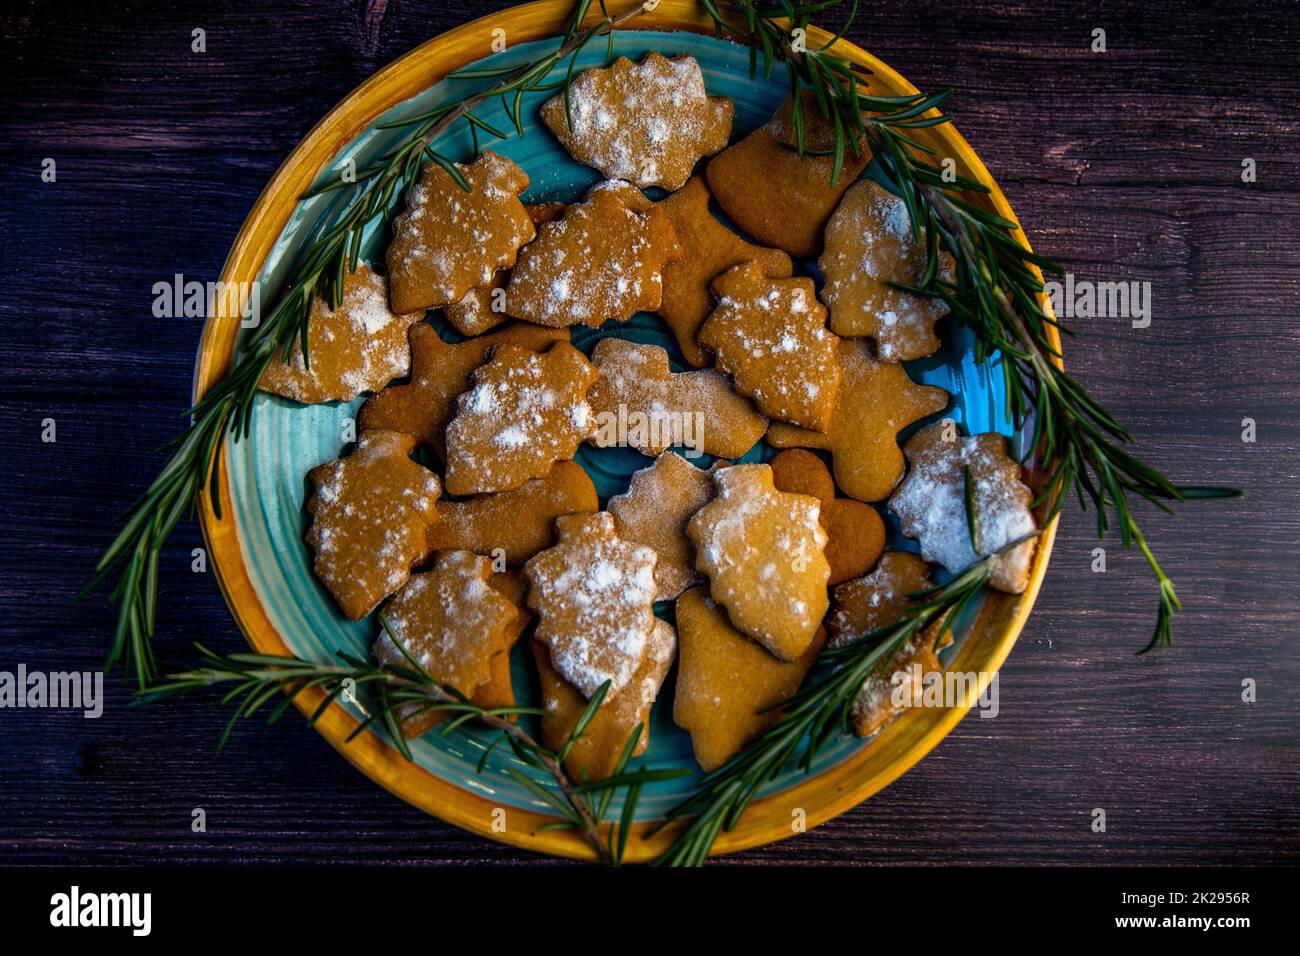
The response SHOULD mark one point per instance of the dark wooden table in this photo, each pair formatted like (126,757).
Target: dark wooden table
(1124,165)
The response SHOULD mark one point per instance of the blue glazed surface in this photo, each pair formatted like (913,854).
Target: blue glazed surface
(268,469)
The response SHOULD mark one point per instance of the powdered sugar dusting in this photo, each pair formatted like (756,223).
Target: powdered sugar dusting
(868,245)
(593,593)
(644,122)
(931,503)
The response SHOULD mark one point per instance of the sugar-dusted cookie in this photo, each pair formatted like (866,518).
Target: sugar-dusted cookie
(452,622)
(369,515)
(712,250)
(855,535)
(868,245)
(595,754)
(439,372)
(448,240)
(876,400)
(592,593)
(520,522)
(499,690)
(931,503)
(604,259)
(654,510)
(727,684)
(780,198)
(483,306)
(879,599)
(358,347)
(764,553)
(646,122)
(525,411)
(877,703)
(640,402)
(770,335)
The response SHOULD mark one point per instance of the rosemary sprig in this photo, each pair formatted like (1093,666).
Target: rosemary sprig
(225,409)
(818,712)
(1078,444)
(399,693)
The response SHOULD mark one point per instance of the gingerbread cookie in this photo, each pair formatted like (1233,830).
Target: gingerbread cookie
(448,240)
(358,347)
(868,245)
(714,249)
(639,402)
(779,197)
(483,307)
(877,703)
(369,515)
(654,510)
(931,503)
(855,535)
(525,411)
(764,553)
(452,623)
(517,524)
(647,122)
(596,753)
(879,599)
(592,593)
(603,260)
(499,690)
(876,400)
(439,372)
(727,684)
(770,335)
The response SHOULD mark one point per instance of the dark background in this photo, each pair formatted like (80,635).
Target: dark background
(1124,166)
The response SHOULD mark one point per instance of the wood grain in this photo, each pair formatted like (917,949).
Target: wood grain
(1125,166)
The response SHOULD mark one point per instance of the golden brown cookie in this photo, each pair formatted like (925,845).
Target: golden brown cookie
(868,245)
(855,535)
(369,515)
(764,553)
(448,240)
(654,510)
(877,703)
(770,335)
(592,593)
(439,372)
(603,260)
(640,402)
(931,503)
(595,754)
(876,400)
(499,690)
(879,599)
(358,347)
(514,524)
(780,198)
(712,249)
(875,602)
(452,623)
(647,122)
(483,307)
(727,684)
(800,472)
(525,411)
